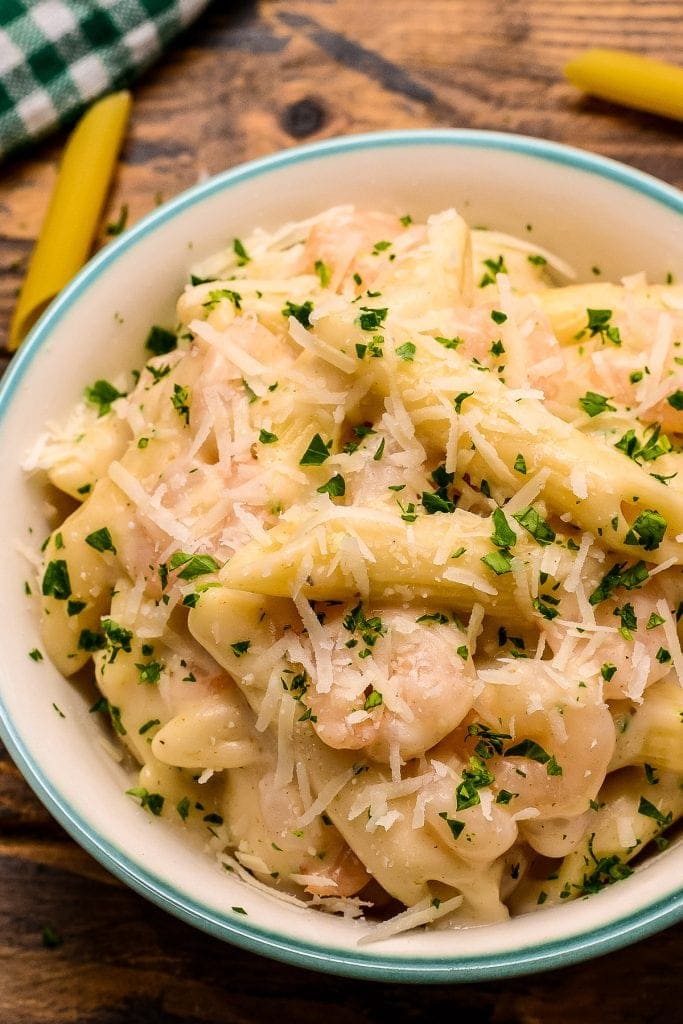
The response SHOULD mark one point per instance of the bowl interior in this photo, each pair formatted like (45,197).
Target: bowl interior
(591,213)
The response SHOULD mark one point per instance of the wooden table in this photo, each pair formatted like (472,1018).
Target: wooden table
(250,78)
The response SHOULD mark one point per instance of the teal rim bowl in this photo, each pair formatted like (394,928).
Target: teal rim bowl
(510,179)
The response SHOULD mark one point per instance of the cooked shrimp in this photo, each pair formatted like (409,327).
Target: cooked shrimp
(400,684)
(558,737)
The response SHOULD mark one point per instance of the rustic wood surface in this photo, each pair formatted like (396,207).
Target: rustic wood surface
(247,79)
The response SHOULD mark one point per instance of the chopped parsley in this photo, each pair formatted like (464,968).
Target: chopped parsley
(302,312)
(35,655)
(91,641)
(455,342)
(489,742)
(676,400)
(160,341)
(102,393)
(607,670)
(459,399)
(406,352)
(520,464)
(532,750)
(534,524)
(115,227)
(536,259)
(434,617)
(493,267)
(240,647)
(650,811)
(454,825)
(148,725)
(499,561)
(594,404)
(265,437)
(373,700)
(599,323)
(475,777)
(240,252)
(654,620)
(335,487)
(150,672)
(324,273)
(101,540)
(118,638)
(152,802)
(503,536)
(193,565)
(617,577)
(218,294)
(371,319)
(433,502)
(180,400)
(649,449)
(498,317)
(648,530)
(56,582)
(316,453)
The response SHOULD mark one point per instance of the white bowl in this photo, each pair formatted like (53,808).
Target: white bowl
(589,210)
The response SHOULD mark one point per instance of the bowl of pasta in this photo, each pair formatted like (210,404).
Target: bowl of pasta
(342,575)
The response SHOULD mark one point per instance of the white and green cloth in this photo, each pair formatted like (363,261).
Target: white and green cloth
(57,56)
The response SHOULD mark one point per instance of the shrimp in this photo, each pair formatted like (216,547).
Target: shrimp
(625,649)
(400,682)
(554,739)
(275,846)
(352,242)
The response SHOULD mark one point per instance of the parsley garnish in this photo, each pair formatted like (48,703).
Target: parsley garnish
(459,399)
(449,342)
(520,464)
(101,540)
(454,825)
(373,700)
(406,352)
(650,811)
(241,253)
(532,750)
(532,522)
(35,655)
(180,400)
(475,777)
(218,294)
(335,487)
(316,453)
(594,404)
(630,579)
(433,502)
(493,267)
(498,317)
(148,725)
(265,437)
(324,273)
(115,227)
(676,400)
(499,561)
(119,638)
(150,672)
(371,319)
(193,565)
(160,341)
(102,394)
(302,312)
(240,647)
(649,449)
(56,582)
(152,802)
(503,536)
(490,742)
(537,260)
(648,530)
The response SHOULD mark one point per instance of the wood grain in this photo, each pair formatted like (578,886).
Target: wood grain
(248,79)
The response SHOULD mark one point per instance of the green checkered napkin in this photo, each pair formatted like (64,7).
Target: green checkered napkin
(56,56)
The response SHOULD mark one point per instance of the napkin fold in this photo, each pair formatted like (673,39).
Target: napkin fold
(56,56)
